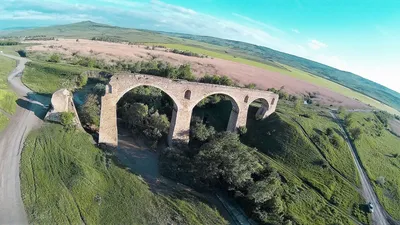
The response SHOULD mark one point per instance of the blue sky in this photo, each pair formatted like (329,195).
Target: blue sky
(361,36)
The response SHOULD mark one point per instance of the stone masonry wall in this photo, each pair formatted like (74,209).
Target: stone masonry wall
(186,95)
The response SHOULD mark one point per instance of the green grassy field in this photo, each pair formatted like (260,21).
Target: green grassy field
(74,183)
(7,96)
(377,149)
(290,71)
(327,181)
(280,138)
(46,78)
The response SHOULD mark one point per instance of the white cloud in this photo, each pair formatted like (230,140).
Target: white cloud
(316,45)
(296,31)
(258,23)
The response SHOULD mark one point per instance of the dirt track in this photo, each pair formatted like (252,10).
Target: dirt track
(242,73)
(379,214)
(11,142)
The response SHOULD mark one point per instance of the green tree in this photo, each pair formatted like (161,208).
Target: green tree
(263,190)
(81,80)
(348,120)
(329,131)
(226,159)
(355,133)
(90,110)
(201,132)
(156,126)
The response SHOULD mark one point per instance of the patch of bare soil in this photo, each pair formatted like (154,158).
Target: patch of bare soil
(395,126)
(241,73)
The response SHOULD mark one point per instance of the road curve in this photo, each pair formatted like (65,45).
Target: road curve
(378,216)
(11,142)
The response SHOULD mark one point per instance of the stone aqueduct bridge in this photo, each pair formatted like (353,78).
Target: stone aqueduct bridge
(185,95)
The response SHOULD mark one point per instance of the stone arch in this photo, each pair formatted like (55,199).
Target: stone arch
(175,109)
(263,110)
(188,94)
(233,118)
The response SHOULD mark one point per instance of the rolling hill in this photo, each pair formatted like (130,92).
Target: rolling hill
(89,30)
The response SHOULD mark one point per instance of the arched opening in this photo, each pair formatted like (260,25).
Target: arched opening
(143,122)
(188,94)
(214,113)
(257,110)
(145,112)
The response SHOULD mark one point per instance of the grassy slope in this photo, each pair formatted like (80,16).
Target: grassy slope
(310,188)
(283,141)
(46,78)
(74,182)
(376,156)
(7,97)
(290,71)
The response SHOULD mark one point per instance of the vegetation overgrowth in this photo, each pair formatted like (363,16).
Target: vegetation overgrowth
(378,150)
(75,182)
(46,77)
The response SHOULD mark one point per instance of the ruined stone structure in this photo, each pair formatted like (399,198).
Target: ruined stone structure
(185,95)
(61,101)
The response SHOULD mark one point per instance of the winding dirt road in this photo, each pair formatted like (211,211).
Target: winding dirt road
(378,216)
(11,142)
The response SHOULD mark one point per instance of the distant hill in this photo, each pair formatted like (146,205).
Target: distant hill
(89,30)
(264,54)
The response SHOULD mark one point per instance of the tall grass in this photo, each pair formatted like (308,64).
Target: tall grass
(46,78)
(7,96)
(379,151)
(67,180)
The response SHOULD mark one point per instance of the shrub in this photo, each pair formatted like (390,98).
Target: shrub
(355,133)
(380,180)
(251,86)
(201,132)
(81,80)
(67,119)
(329,131)
(242,130)
(55,58)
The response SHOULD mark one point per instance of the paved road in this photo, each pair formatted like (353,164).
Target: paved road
(378,216)
(11,142)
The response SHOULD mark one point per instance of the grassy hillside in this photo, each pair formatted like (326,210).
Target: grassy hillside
(320,184)
(89,30)
(76,183)
(46,78)
(264,54)
(379,152)
(329,170)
